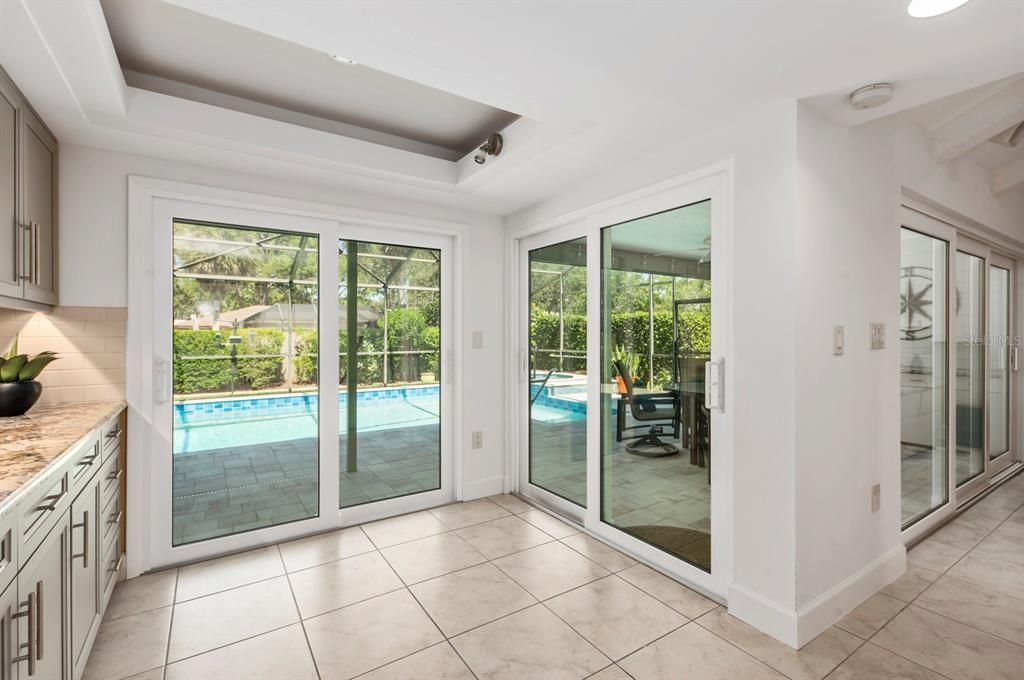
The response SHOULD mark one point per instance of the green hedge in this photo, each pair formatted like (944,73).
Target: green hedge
(630,330)
(216,375)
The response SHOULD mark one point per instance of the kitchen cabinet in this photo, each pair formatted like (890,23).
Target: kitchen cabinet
(40,623)
(84,567)
(28,204)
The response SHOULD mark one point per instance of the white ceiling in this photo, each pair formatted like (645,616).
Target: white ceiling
(597,84)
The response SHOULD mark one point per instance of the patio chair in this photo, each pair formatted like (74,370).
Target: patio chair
(652,411)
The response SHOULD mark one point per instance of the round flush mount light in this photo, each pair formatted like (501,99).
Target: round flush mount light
(922,9)
(344,60)
(870,96)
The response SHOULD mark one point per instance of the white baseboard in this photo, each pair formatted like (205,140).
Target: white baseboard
(483,487)
(798,627)
(838,601)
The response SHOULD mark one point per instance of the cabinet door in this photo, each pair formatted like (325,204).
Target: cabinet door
(84,563)
(39,208)
(44,578)
(9,633)
(10,238)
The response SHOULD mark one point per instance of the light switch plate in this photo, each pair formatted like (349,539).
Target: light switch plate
(838,340)
(478,339)
(478,440)
(877,335)
(876,497)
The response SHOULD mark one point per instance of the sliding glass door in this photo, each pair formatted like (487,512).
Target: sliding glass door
(970,366)
(1003,347)
(623,341)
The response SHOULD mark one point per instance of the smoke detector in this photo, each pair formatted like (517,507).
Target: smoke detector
(871,96)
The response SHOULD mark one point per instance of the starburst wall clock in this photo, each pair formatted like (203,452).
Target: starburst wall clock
(916,311)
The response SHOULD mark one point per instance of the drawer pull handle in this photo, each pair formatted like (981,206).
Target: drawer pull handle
(31,612)
(84,525)
(27,261)
(115,564)
(115,475)
(89,460)
(114,433)
(116,518)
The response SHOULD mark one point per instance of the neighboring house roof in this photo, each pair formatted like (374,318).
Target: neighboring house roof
(274,316)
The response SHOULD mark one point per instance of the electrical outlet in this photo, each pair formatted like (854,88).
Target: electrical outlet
(876,497)
(478,339)
(838,340)
(478,440)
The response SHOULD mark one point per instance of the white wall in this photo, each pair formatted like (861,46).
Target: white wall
(93,269)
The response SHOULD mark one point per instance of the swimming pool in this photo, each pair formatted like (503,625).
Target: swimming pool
(234,422)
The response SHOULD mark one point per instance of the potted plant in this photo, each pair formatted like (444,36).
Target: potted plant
(631,360)
(19,390)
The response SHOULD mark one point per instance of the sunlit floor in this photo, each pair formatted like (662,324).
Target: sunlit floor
(495,589)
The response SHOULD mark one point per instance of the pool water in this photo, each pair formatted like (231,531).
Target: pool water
(264,428)
(549,414)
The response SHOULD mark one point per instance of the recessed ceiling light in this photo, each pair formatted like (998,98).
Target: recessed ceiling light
(922,9)
(344,60)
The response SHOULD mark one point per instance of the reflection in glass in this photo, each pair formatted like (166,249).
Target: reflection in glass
(924,463)
(655,340)
(390,308)
(245,386)
(970,367)
(558,369)
(999,361)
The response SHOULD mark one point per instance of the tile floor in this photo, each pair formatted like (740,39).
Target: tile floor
(494,588)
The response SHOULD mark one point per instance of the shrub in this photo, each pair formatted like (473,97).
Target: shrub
(209,374)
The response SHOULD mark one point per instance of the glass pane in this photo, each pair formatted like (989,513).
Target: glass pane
(558,369)
(245,380)
(999,361)
(655,340)
(970,367)
(390,304)
(924,455)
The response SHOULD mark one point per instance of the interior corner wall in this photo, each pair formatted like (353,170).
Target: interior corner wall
(93,208)
(761,144)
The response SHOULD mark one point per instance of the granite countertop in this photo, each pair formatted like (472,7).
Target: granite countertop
(30,443)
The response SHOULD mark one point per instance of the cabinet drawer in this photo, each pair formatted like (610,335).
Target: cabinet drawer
(110,568)
(110,435)
(109,477)
(83,463)
(8,547)
(45,503)
(110,518)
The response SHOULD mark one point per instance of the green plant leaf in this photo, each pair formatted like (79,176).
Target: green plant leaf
(13,351)
(34,367)
(12,367)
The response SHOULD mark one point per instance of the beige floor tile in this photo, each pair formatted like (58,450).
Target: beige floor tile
(869,617)
(404,528)
(608,557)
(689,603)
(548,524)
(231,571)
(532,643)
(275,655)
(951,648)
(339,584)
(155,674)
(1001,501)
(934,555)
(142,594)
(985,517)
(223,618)
(874,663)
(994,573)
(513,504)
(613,672)
(459,515)
(324,548)
(439,662)
(979,607)
(616,617)
(1013,526)
(504,536)
(550,569)
(813,661)
(471,597)
(427,558)
(1003,546)
(367,635)
(911,584)
(694,652)
(129,645)
(961,534)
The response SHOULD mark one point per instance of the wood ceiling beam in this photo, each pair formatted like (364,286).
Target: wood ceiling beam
(980,123)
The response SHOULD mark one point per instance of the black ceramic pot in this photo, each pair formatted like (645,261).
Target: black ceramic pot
(17,398)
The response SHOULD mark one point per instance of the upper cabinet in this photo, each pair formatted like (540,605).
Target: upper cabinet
(28,204)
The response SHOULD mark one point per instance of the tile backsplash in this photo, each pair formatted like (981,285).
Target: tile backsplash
(90,342)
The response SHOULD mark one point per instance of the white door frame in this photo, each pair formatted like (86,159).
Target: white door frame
(715,183)
(153,204)
(1002,461)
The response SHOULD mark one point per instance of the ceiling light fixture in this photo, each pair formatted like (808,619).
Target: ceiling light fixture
(492,147)
(922,9)
(870,96)
(344,60)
